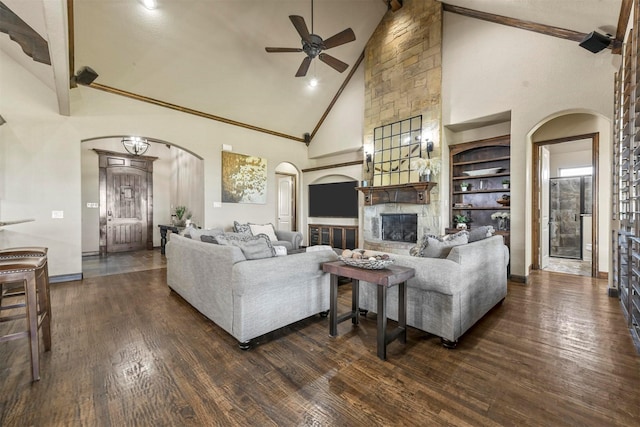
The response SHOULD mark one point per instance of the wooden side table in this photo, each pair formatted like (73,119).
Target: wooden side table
(385,278)
(163,234)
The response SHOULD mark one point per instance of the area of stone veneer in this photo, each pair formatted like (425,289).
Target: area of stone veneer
(428,223)
(403,74)
(403,68)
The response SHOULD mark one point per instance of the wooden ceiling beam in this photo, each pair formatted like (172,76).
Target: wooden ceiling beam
(548,30)
(30,41)
(623,20)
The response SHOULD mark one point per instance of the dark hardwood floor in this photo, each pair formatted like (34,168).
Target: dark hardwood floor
(127,351)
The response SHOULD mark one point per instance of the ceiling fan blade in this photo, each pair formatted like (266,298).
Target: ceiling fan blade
(301,27)
(333,62)
(302,71)
(342,37)
(282,49)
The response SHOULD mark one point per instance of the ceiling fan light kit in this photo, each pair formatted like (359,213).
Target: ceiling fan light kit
(313,45)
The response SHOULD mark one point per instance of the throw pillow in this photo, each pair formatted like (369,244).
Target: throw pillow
(264,229)
(280,250)
(480,233)
(208,239)
(439,247)
(253,247)
(241,228)
(196,234)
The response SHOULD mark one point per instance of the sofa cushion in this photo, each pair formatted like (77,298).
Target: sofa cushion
(267,229)
(480,233)
(439,247)
(253,247)
(241,228)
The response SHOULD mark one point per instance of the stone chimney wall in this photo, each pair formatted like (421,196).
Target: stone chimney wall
(403,78)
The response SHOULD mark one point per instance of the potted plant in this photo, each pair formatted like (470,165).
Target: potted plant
(461,221)
(464,186)
(181,212)
(506,183)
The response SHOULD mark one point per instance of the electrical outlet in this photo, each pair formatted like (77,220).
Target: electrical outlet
(57,214)
(92,205)
(217,204)
(227,147)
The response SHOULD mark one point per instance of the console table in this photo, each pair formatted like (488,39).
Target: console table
(163,234)
(385,278)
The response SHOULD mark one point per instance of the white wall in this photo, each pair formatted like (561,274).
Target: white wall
(41,164)
(489,69)
(573,159)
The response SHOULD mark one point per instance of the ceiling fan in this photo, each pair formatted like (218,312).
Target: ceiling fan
(313,45)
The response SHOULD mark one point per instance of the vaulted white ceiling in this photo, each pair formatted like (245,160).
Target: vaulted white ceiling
(209,56)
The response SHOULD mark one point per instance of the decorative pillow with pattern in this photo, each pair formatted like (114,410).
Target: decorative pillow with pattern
(241,228)
(253,247)
(267,229)
(439,247)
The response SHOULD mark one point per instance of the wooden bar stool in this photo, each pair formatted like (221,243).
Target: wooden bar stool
(31,273)
(20,252)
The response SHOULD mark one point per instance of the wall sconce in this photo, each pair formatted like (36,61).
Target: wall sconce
(135,145)
(428,147)
(369,159)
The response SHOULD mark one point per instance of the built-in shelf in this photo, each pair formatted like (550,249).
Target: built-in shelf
(414,192)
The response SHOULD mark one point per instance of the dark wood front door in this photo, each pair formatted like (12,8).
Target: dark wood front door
(126,208)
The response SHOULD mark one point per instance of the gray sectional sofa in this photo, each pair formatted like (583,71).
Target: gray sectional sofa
(247,298)
(448,296)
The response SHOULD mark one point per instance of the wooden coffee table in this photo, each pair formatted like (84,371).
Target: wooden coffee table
(385,278)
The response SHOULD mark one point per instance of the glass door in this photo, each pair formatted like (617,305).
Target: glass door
(565,220)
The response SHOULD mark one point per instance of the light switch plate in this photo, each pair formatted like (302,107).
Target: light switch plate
(57,214)
(217,204)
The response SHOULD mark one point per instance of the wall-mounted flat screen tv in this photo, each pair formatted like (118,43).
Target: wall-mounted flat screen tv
(339,200)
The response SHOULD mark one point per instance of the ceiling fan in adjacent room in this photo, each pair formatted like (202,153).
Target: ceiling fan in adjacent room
(313,45)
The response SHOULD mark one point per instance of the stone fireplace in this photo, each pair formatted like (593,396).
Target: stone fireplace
(426,217)
(400,227)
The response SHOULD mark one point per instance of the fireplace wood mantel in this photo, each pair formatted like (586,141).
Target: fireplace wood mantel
(414,192)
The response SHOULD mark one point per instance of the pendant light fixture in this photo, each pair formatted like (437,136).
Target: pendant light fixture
(135,145)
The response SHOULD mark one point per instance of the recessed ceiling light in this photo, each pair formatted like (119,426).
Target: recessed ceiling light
(150,4)
(313,82)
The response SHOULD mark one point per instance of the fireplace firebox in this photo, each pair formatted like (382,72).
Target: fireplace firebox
(400,227)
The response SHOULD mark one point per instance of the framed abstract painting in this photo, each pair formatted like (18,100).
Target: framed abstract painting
(244,178)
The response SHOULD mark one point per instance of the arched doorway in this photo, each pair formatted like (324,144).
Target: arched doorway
(566,225)
(177,179)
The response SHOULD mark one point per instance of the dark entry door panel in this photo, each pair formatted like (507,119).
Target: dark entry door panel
(126,209)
